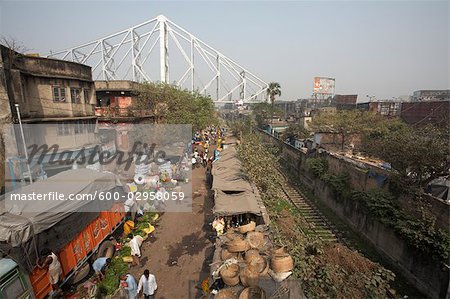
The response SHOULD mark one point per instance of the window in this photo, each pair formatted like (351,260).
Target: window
(63,129)
(87,98)
(59,94)
(384,109)
(75,95)
(13,288)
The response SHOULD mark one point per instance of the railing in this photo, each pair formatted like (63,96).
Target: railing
(121,112)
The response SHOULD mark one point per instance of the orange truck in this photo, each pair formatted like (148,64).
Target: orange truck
(78,236)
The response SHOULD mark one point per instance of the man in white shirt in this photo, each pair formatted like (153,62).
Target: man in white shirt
(148,285)
(135,245)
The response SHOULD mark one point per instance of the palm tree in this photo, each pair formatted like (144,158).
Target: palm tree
(273,90)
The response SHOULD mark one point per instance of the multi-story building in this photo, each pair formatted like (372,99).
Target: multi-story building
(384,108)
(117,113)
(423,113)
(431,95)
(345,102)
(56,102)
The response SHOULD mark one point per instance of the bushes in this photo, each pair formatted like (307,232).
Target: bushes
(419,233)
(318,166)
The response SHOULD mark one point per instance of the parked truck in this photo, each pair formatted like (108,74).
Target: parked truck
(77,232)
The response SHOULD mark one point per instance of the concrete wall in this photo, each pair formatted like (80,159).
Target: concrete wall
(5,117)
(120,85)
(426,274)
(38,97)
(48,134)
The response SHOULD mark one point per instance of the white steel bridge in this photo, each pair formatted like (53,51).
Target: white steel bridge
(132,54)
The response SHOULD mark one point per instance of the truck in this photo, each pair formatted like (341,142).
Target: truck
(77,235)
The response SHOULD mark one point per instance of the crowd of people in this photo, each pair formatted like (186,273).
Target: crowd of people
(202,142)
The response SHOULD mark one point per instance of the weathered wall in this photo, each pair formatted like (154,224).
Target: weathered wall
(38,96)
(5,117)
(29,82)
(428,275)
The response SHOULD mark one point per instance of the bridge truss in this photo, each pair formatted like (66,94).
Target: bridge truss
(132,55)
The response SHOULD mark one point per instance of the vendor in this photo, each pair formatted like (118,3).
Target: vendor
(100,265)
(219,225)
(128,226)
(135,244)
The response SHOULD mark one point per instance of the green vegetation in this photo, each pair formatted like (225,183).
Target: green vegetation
(418,155)
(318,166)
(117,267)
(262,112)
(420,233)
(325,270)
(345,123)
(296,131)
(355,240)
(273,90)
(172,105)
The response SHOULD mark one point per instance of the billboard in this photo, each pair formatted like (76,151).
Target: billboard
(323,85)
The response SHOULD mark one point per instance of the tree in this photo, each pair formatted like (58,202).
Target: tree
(345,123)
(417,155)
(172,105)
(13,44)
(262,111)
(273,90)
(296,131)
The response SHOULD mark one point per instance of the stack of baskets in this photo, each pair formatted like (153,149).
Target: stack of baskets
(248,255)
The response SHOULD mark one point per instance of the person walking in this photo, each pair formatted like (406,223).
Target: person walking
(128,283)
(147,283)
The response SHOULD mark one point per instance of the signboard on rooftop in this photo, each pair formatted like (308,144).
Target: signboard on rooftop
(323,85)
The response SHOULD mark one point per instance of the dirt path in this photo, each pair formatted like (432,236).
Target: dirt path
(179,253)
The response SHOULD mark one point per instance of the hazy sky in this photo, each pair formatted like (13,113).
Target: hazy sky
(385,48)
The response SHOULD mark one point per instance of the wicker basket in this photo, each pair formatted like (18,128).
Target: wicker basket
(256,239)
(225,254)
(226,294)
(260,264)
(279,251)
(265,270)
(282,263)
(251,254)
(252,293)
(238,245)
(247,227)
(249,276)
(230,274)
(231,234)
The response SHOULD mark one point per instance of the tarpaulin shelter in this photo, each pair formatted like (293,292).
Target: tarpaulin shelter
(51,224)
(236,203)
(234,194)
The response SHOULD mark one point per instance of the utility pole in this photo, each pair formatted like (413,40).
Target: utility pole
(24,144)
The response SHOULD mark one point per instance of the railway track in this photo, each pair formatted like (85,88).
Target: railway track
(317,222)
